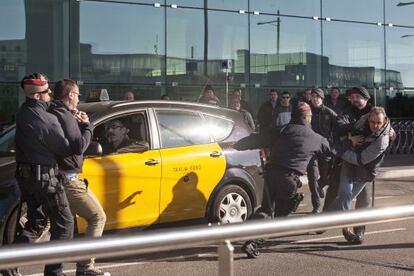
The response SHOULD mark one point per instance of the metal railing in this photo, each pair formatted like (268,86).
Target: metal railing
(186,237)
(404,141)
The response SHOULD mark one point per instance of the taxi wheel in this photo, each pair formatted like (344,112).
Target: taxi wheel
(10,231)
(232,204)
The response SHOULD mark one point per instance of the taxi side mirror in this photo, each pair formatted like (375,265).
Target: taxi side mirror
(94,150)
(137,147)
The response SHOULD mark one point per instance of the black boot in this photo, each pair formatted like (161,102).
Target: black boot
(359,234)
(348,235)
(250,248)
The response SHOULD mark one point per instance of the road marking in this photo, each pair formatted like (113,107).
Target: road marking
(336,237)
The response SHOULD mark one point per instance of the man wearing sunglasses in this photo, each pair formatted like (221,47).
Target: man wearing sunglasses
(39,141)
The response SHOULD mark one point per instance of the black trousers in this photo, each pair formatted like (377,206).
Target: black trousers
(283,186)
(46,199)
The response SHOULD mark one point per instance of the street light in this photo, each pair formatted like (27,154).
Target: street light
(401,4)
(277,21)
(407,35)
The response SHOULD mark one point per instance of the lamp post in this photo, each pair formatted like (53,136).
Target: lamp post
(272,22)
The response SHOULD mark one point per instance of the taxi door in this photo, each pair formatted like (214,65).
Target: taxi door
(192,165)
(128,187)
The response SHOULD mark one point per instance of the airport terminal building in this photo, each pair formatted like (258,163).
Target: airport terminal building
(177,47)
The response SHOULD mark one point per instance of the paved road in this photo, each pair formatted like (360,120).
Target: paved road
(388,249)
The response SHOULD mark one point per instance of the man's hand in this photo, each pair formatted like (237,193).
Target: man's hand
(356,140)
(81,117)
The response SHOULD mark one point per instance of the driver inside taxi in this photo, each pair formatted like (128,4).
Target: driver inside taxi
(116,134)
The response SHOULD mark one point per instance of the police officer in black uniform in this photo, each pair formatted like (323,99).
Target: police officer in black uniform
(293,147)
(39,141)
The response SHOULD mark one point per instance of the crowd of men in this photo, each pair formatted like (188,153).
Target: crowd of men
(338,144)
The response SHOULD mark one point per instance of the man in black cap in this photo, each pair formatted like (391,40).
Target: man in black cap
(292,148)
(345,126)
(323,119)
(40,140)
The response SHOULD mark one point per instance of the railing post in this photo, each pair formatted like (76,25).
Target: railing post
(225,255)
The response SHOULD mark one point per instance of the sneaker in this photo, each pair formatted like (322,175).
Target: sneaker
(250,249)
(92,272)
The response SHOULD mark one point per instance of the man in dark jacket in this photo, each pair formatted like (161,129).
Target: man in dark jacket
(40,140)
(334,101)
(361,162)
(265,114)
(293,147)
(344,127)
(323,120)
(79,131)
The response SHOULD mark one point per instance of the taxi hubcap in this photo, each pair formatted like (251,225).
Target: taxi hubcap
(233,208)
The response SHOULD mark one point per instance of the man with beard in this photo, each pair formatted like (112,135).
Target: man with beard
(345,127)
(323,120)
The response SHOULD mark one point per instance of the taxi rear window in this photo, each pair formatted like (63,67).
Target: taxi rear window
(219,127)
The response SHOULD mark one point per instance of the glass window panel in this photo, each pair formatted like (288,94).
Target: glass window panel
(179,128)
(28,44)
(353,54)
(356,10)
(10,96)
(400,58)
(92,92)
(187,3)
(285,51)
(119,43)
(399,12)
(185,46)
(228,4)
(227,41)
(212,4)
(289,7)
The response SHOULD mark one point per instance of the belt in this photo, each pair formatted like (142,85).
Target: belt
(68,177)
(35,170)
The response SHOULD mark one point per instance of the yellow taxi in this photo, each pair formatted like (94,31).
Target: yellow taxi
(156,162)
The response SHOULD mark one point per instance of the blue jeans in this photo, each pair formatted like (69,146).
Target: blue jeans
(349,188)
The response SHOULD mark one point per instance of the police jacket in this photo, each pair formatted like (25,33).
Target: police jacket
(39,137)
(323,120)
(78,135)
(345,122)
(265,115)
(294,146)
(370,155)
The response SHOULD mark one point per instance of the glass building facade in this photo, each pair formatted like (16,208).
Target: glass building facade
(177,47)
